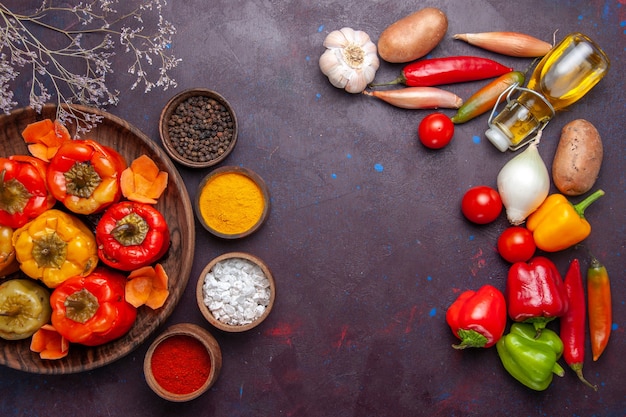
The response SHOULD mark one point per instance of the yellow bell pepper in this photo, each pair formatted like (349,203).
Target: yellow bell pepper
(8,263)
(54,247)
(558,224)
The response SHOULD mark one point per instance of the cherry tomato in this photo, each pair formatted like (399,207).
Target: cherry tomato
(435,131)
(516,244)
(481,204)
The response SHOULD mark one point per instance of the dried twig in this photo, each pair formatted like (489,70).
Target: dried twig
(86,41)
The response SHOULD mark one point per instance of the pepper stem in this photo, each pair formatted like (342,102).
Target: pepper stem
(131,230)
(400,80)
(14,196)
(578,368)
(582,206)
(81,306)
(470,339)
(539,323)
(595,263)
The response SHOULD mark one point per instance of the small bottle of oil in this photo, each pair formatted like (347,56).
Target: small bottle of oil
(562,77)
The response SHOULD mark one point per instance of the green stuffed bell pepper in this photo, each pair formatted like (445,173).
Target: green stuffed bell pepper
(530,359)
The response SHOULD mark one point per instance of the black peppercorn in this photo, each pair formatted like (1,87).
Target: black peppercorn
(200,129)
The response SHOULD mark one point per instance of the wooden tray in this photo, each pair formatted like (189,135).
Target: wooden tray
(175,206)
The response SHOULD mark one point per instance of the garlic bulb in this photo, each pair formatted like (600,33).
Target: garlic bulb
(350,60)
(523,184)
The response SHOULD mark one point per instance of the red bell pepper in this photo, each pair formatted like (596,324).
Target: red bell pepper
(131,235)
(85,176)
(448,70)
(535,292)
(92,310)
(23,191)
(478,318)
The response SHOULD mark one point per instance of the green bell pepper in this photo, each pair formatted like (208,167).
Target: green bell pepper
(530,359)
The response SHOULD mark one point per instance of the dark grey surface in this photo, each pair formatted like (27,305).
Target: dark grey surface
(365,237)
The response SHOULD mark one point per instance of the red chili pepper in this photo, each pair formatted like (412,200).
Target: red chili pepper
(535,292)
(478,318)
(600,311)
(448,70)
(131,235)
(23,191)
(572,330)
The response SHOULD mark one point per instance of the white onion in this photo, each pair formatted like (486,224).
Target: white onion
(523,184)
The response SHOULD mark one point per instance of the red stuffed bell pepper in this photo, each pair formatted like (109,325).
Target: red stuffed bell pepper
(92,310)
(23,191)
(131,235)
(85,176)
(535,292)
(478,318)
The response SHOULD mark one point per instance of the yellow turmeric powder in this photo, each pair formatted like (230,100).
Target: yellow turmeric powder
(231,203)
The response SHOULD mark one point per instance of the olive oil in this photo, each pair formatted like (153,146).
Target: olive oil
(561,78)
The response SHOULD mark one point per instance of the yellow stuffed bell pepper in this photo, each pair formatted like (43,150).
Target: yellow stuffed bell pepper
(8,263)
(54,247)
(558,224)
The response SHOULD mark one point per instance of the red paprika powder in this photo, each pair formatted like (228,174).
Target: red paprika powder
(181,364)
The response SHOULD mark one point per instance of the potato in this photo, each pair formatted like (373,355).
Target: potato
(413,36)
(578,158)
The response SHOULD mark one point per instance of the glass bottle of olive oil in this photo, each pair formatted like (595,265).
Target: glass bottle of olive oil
(561,78)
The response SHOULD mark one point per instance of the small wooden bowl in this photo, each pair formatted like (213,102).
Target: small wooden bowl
(235,193)
(197,333)
(206,311)
(168,141)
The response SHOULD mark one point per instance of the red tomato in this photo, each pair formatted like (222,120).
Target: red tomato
(435,130)
(481,204)
(516,244)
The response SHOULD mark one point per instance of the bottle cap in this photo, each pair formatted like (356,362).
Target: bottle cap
(497,138)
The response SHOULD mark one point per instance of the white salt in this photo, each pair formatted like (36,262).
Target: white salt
(236,291)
